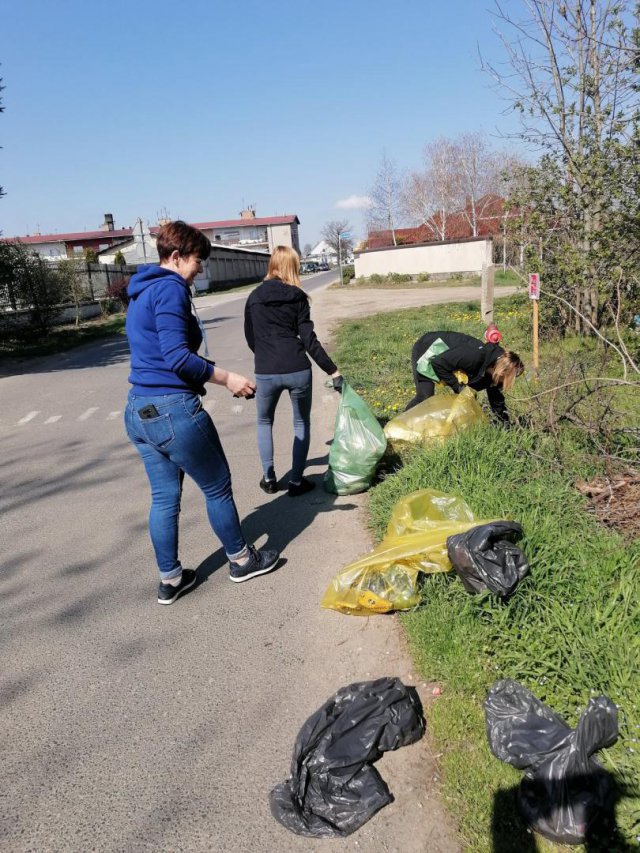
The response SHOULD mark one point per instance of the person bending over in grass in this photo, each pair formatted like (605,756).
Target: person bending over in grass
(488,367)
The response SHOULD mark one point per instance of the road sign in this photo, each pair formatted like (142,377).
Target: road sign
(344,234)
(534,285)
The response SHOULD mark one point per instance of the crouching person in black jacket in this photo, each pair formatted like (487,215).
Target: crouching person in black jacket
(488,367)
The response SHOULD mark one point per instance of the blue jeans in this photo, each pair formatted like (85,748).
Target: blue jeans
(269,387)
(182,440)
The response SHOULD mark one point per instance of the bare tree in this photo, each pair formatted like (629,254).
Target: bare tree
(306,250)
(386,198)
(478,171)
(331,231)
(430,196)
(459,175)
(572,76)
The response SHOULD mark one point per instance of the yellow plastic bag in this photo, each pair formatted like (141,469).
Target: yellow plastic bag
(416,541)
(436,419)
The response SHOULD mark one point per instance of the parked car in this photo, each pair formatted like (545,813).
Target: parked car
(307,267)
(323,267)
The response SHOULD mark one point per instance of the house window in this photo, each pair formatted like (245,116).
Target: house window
(78,251)
(103,246)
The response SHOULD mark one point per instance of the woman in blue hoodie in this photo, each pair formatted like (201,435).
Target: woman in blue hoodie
(279,331)
(165,419)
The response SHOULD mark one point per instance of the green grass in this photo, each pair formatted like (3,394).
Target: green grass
(572,628)
(62,338)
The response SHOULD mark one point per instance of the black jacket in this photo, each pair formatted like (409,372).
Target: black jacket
(279,329)
(472,357)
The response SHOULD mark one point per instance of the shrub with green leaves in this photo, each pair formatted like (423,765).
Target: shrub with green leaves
(348,273)
(423,276)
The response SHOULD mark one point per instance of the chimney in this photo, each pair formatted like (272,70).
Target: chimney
(107,225)
(248,213)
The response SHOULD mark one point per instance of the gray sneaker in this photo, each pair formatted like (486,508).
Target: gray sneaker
(259,563)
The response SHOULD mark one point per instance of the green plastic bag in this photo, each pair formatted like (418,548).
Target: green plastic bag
(423,364)
(358,445)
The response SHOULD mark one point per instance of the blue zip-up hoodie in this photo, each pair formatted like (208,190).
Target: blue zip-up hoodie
(164,335)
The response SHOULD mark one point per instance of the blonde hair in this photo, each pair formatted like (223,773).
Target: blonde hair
(285,265)
(506,369)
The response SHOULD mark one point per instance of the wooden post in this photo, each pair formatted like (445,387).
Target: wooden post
(535,340)
(486,293)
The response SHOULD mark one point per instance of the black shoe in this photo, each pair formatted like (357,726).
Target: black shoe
(301,488)
(269,486)
(167,594)
(259,563)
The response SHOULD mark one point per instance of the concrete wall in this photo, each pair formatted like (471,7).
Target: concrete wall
(434,258)
(283,235)
(226,267)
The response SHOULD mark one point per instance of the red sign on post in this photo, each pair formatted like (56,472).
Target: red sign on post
(534,285)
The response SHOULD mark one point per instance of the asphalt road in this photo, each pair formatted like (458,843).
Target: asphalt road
(133,727)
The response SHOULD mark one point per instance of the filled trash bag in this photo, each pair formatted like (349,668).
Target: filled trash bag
(437,418)
(333,788)
(485,557)
(565,791)
(386,579)
(358,445)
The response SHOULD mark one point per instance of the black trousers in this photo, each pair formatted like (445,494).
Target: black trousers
(425,387)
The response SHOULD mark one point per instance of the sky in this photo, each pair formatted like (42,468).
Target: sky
(204,107)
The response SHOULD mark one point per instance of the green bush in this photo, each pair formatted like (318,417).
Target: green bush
(376,278)
(398,277)
(507,277)
(423,276)
(348,273)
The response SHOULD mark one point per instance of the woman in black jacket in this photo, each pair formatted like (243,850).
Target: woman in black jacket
(279,331)
(488,367)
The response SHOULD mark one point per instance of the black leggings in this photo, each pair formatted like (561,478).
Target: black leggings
(425,387)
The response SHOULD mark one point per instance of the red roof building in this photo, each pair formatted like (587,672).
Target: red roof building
(489,216)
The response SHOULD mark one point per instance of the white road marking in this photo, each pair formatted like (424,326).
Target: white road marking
(53,419)
(85,415)
(29,417)
(113,415)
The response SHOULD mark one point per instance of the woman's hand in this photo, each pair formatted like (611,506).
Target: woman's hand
(239,385)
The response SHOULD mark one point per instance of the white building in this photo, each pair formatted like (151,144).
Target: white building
(251,232)
(322,253)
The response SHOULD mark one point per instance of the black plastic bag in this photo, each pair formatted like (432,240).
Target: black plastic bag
(565,791)
(333,788)
(486,557)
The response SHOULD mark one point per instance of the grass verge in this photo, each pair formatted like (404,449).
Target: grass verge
(393,282)
(572,628)
(62,338)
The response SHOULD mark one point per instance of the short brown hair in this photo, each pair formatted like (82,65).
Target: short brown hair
(183,238)
(284,265)
(505,369)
